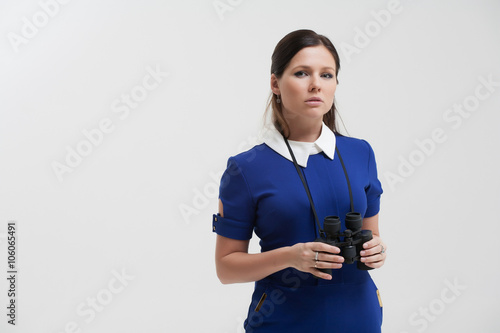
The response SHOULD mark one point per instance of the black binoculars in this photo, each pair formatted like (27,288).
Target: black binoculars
(350,241)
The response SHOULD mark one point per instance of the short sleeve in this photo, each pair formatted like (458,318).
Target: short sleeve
(374,188)
(238,205)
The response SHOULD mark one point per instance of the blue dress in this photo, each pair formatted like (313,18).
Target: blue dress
(262,192)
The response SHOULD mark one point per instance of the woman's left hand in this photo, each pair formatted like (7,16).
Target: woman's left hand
(374,252)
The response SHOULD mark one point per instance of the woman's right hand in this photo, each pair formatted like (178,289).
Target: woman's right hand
(304,258)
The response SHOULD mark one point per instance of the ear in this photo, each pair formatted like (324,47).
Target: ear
(275,85)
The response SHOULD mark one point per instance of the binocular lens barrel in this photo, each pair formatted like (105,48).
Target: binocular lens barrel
(332,225)
(353,221)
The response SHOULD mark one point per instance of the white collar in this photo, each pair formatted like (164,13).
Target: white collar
(325,143)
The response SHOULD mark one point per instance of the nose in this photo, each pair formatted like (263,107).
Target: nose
(315,83)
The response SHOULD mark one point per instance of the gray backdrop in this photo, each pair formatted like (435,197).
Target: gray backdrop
(117,119)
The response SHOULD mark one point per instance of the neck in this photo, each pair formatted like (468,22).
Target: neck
(305,132)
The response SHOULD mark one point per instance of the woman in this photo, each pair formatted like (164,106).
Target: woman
(301,285)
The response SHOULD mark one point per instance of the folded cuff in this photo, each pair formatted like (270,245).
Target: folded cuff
(231,228)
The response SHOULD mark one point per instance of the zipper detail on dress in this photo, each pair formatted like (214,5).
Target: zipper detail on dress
(262,299)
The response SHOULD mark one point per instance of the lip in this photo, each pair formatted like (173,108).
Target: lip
(314,101)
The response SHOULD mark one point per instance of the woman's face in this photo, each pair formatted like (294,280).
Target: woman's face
(307,86)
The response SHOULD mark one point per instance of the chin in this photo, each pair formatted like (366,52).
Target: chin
(309,114)
(316,113)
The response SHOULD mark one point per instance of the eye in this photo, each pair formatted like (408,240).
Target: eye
(300,74)
(327,75)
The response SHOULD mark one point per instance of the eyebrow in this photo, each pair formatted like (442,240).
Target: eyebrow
(308,67)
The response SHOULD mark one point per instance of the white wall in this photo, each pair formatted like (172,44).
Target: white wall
(117,210)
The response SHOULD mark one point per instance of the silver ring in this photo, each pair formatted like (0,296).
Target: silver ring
(316,257)
(383,250)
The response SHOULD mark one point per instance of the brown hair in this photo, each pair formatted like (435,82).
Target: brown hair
(283,53)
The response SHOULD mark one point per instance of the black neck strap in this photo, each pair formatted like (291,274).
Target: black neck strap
(321,231)
(346,178)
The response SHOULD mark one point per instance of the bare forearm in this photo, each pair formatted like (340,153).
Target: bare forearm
(240,267)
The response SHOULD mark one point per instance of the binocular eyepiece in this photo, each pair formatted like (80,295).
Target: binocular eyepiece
(350,241)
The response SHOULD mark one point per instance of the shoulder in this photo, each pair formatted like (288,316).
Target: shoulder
(251,155)
(244,168)
(354,148)
(350,143)
(252,158)
(256,162)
